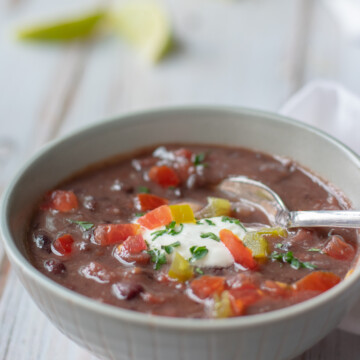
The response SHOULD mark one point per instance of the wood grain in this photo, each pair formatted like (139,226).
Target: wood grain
(250,53)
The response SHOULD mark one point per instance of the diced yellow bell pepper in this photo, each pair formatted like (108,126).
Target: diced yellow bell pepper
(257,244)
(182,213)
(216,207)
(276,231)
(180,269)
(222,306)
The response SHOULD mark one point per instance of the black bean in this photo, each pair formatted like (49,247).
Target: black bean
(128,189)
(43,242)
(54,266)
(127,290)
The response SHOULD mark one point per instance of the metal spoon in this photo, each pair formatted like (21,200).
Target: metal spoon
(268,201)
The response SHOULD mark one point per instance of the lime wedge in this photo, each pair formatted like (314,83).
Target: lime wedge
(66,29)
(145,25)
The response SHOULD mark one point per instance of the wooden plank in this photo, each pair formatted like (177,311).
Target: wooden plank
(27,334)
(217,62)
(337,59)
(337,345)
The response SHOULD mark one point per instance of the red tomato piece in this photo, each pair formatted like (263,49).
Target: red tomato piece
(164,176)
(337,248)
(317,281)
(132,250)
(206,286)
(237,306)
(134,244)
(62,200)
(107,234)
(276,289)
(150,202)
(63,244)
(158,217)
(242,255)
(247,296)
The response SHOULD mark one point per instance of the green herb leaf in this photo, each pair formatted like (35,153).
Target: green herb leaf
(308,265)
(279,246)
(174,232)
(315,250)
(83,224)
(170,248)
(198,252)
(289,258)
(199,271)
(210,222)
(158,233)
(140,214)
(158,258)
(143,190)
(198,222)
(169,229)
(199,160)
(210,235)
(233,221)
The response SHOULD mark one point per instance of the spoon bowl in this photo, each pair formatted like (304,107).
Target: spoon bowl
(272,205)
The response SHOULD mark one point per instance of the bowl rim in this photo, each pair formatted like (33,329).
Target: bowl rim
(165,322)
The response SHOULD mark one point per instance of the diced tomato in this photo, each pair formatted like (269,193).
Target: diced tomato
(242,255)
(61,200)
(158,217)
(247,296)
(319,281)
(337,248)
(164,175)
(276,289)
(183,153)
(206,286)
(237,305)
(132,250)
(107,234)
(150,202)
(135,244)
(63,244)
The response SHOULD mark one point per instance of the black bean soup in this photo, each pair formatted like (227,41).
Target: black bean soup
(154,233)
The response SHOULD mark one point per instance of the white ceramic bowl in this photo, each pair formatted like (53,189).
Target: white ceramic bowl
(115,333)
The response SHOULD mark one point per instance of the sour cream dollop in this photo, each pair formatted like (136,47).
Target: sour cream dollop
(218,255)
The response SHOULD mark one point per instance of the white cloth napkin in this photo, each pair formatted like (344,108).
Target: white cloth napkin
(335,110)
(347,15)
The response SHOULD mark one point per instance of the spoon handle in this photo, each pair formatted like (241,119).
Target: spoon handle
(344,218)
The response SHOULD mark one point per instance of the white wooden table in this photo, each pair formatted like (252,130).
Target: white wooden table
(252,53)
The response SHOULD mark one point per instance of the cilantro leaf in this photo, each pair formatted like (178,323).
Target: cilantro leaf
(139,214)
(158,258)
(84,225)
(315,250)
(199,160)
(198,252)
(199,271)
(233,221)
(289,258)
(170,248)
(158,233)
(210,235)
(143,190)
(209,222)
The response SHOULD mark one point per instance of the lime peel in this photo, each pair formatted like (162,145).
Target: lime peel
(65,29)
(145,25)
